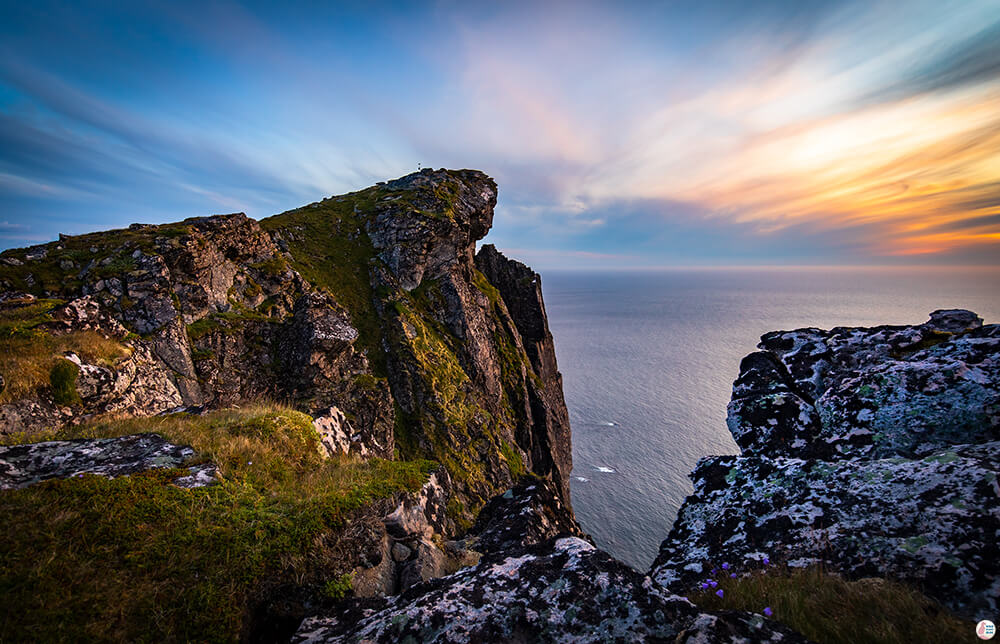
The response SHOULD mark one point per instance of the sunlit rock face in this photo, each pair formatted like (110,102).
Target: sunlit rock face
(872,450)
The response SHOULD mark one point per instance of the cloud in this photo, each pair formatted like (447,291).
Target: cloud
(974,60)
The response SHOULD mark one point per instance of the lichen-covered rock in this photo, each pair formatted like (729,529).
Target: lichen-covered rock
(416,238)
(947,394)
(870,392)
(338,437)
(872,451)
(29,463)
(766,414)
(562,590)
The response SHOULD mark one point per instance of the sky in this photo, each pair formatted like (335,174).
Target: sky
(621,134)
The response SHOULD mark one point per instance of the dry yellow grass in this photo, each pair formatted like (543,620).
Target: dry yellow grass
(28,353)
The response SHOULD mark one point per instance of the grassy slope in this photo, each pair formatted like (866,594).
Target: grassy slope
(138,559)
(58,272)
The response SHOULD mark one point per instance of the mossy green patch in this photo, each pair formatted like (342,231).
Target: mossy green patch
(138,559)
(228,322)
(514,460)
(338,588)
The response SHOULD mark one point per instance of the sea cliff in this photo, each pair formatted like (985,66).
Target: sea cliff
(343,423)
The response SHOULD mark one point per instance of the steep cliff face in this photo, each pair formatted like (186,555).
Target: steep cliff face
(366,310)
(547,435)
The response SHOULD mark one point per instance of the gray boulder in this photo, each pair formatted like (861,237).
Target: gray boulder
(27,464)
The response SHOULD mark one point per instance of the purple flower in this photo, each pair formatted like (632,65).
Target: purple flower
(767,611)
(732,575)
(704,586)
(767,562)
(715,570)
(713,583)
(725,566)
(719,592)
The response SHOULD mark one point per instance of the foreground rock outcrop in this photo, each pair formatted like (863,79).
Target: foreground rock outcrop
(874,451)
(538,580)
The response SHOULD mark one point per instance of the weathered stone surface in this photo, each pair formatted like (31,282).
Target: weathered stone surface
(527,514)
(562,590)
(23,465)
(931,522)
(872,451)
(337,437)
(416,239)
(422,514)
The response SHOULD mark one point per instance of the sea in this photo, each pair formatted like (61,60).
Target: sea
(648,359)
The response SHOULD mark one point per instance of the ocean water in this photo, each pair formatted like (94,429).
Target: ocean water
(648,360)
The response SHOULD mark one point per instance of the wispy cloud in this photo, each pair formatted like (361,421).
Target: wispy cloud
(855,131)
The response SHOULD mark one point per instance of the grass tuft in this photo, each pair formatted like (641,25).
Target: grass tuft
(63,380)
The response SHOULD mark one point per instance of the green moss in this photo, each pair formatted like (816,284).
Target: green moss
(480,282)
(456,512)
(367,381)
(273,266)
(118,266)
(62,378)
(202,354)
(229,323)
(201,328)
(252,289)
(138,559)
(21,321)
(514,460)
(337,589)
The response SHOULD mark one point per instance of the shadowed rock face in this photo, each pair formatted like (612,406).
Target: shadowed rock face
(521,289)
(875,451)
